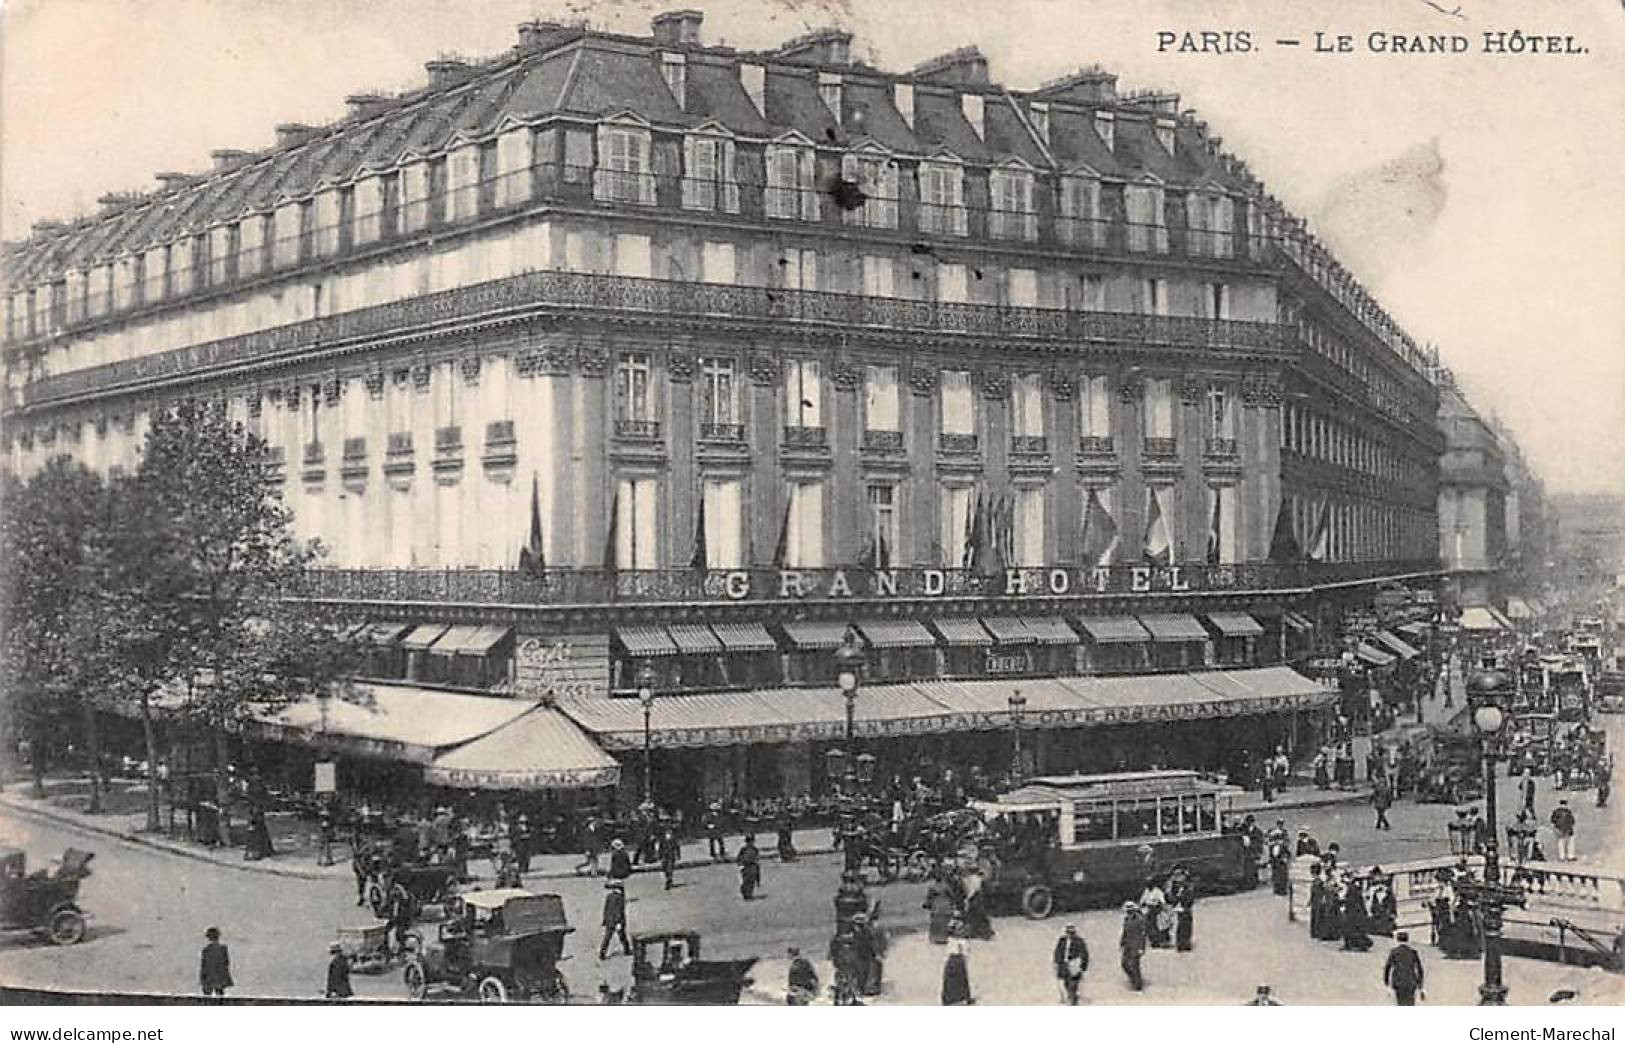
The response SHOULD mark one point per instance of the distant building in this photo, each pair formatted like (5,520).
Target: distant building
(1032,390)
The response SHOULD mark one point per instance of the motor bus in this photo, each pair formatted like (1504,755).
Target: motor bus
(1080,839)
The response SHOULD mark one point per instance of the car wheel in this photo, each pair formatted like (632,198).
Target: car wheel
(493,990)
(416,979)
(1037,902)
(68,927)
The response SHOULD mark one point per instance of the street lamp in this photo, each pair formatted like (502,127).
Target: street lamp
(1018,704)
(848,671)
(1492,896)
(646,698)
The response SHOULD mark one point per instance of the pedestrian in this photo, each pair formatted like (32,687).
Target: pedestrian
(750,868)
(803,980)
(398,909)
(1605,772)
(956,975)
(670,853)
(940,904)
(327,831)
(1154,904)
(1528,787)
(786,837)
(1382,798)
(614,918)
(1307,845)
(1563,826)
(1267,780)
(620,863)
(1262,998)
(214,968)
(338,974)
(1071,960)
(1131,945)
(522,843)
(1403,971)
(876,942)
(360,864)
(592,845)
(716,844)
(1182,899)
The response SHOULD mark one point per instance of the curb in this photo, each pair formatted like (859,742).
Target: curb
(76,823)
(1330,800)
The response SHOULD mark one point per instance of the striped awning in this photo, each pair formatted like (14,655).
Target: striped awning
(423,636)
(964,633)
(897,633)
(745,637)
(541,750)
(1235,624)
(1393,643)
(1008,630)
(1114,630)
(694,639)
(1297,622)
(1499,618)
(1173,628)
(1373,655)
(453,640)
(646,641)
(1050,630)
(487,638)
(815,636)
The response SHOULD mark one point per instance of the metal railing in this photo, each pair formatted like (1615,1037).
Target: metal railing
(1221,447)
(806,437)
(714,432)
(1029,445)
(1161,447)
(952,443)
(883,441)
(1096,445)
(637,430)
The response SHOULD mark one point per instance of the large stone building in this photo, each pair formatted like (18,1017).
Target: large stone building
(1036,389)
(1473,504)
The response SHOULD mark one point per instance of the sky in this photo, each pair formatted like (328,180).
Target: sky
(1477,195)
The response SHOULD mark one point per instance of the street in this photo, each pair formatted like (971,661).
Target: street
(149,910)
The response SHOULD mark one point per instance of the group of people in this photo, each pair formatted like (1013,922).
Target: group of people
(1349,906)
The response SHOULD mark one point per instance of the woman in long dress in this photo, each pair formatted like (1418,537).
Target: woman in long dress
(956,975)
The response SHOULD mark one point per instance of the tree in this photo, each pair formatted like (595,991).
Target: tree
(203,566)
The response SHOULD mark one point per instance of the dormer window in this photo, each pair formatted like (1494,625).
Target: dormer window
(674,67)
(829,92)
(1038,112)
(708,174)
(1106,128)
(790,192)
(876,176)
(1211,217)
(1081,223)
(1147,232)
(942,198)
(623,166)
(1012,214)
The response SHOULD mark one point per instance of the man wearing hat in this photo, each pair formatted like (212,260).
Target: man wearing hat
(620,863)
(214,968)
(1307,845)
(614,917)
(716,844)
(1131,944)
(1403,971)
(1262,998)
(1071,960)
(803,980)
(338,974)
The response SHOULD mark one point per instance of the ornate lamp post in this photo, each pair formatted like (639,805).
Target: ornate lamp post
(1018,705)
(646,698)
(848,671)
(1485,691)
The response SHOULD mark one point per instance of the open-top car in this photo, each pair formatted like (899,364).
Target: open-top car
(496,945)
(666,968)
(44,902)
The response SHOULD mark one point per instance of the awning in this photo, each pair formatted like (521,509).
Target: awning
(1414,629)
(646,641)
(1373,655)
(815,637)
(1499,618)
(393,722)
(1174,628)
(541,750)
(387,633)
(1114,630)
(932,707)
(1518,608)
(1050,630)
(897,633)
(1008,630)
(744,637)
(423,636)
(694,639)
(1394,644)
(962,633)
(1477,618)
(453,640)
(486,639)
(1297,622)
(1235,624)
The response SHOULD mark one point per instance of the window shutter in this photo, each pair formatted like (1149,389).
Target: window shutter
(805,183)
(729,179)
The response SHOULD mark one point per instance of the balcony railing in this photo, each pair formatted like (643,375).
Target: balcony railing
(1096,445)
(806,437)
(1225,447)
(951,443)
(314,453)
(355,448)
(730,433)
(448,439)
(883,441)
(637,430)
(1029,445)
(1163,447)
(563,586)
(575,293)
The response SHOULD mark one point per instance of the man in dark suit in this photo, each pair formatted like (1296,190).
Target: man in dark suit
(1403,971)
(214,969)
(1132,944)
(620,862)
(338,974)
(614,918)
(1071,960)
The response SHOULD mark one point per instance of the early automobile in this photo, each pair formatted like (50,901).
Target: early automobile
(1079,838)
(666,968)
(46,901)
(497,946)
(425,884)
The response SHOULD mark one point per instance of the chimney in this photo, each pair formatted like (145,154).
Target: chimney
(290,134)
(677,27)
(363,105)
(45,226)
(975,108)
(966,66)
(753,78)
(819,47)
(172,179)
(117,200)
(226,158)
(1092,84)
(447,72)
(536,35)
(903,97)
